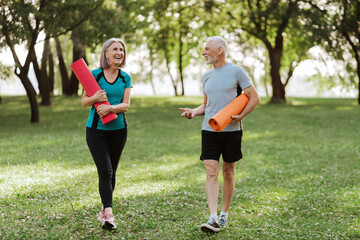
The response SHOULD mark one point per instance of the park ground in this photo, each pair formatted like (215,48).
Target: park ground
(299,178)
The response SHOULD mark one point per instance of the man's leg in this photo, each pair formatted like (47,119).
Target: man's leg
(212,194)
(212,186)
(228,191)
(228,185)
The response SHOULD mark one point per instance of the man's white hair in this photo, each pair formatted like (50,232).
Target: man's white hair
(220,42)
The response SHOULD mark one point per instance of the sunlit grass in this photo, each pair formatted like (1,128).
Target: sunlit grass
(298,178)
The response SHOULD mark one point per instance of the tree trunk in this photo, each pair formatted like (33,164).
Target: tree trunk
(358,74)
(79,51)
(152,75)
(62,66)
(265,85)
(352,41)
(277,86)
(180,66)
(290,72)
(174,82)
(30,92)
(32,99)
(51,76)
(45,86)
(36,70)
(153,87)
(23,73)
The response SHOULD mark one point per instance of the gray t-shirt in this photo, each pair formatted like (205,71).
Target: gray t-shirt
(220,86)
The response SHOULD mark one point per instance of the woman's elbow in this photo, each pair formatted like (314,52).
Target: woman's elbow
(126,107)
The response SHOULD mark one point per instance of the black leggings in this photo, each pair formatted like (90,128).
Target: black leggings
(106,148)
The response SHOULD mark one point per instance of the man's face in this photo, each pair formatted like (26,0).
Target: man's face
(210,52)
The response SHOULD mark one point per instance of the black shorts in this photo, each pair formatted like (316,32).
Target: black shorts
(227,144)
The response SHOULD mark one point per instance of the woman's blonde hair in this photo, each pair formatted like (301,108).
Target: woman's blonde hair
(104,62)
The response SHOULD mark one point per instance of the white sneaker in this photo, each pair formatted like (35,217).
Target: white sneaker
(211,226)
(223,222)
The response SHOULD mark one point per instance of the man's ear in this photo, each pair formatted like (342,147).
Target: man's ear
(219,51)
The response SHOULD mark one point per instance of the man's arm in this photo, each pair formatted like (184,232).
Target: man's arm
(253,101)
(191,113)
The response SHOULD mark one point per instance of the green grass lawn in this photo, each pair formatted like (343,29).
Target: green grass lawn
(299,178)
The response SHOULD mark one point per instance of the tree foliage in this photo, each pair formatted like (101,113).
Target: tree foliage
(343,41)
(173,32)
(22,22)
(280,26)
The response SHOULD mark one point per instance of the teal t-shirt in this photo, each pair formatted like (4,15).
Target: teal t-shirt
(220,86)
(115,93)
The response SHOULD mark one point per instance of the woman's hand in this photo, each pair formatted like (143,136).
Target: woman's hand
(103,110)
(100,96)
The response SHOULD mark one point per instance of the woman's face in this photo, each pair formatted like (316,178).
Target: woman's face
(115,54)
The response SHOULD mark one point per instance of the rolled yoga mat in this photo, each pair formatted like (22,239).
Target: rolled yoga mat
(90,85)
(220,120)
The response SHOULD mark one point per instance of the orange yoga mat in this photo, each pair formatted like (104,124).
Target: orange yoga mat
(220,120)
(90,85)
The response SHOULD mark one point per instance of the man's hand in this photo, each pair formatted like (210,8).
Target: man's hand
(187,112)
(236,118)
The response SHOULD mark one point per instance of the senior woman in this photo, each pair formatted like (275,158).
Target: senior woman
(106,141)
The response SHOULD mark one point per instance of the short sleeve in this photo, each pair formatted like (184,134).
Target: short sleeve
(243,79)
(205,78)
(203,90)
(128,83)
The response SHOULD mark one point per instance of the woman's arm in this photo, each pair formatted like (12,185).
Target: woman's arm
(104,109)
(99,96)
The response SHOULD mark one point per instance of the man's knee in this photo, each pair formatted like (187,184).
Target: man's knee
(212,169)
(228,172)
(228,176)
(212,175)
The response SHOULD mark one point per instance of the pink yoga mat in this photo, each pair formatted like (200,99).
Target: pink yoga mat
(90,85)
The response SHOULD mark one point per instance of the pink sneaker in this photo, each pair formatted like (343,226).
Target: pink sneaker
(109,222)
(101,216)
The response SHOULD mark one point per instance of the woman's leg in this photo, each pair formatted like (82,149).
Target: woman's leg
(98,145)
(116,146)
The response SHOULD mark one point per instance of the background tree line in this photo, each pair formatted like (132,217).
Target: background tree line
(170,31)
